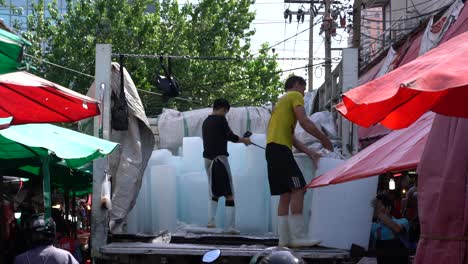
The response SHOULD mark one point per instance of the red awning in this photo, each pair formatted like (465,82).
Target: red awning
(436,81)
(30,99)
(399,150)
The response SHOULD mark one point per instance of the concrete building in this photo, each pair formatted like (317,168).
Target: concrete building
(15,12)
(397,19)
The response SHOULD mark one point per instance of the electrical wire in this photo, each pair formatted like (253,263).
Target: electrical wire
(400,29)
(295,42)
(59,66)
(404,8)
(213,58)
(395,22)
(417,12)
(410,18)
(281,42)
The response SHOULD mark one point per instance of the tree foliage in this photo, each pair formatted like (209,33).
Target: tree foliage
(211,28)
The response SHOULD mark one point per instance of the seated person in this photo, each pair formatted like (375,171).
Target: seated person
(389,234)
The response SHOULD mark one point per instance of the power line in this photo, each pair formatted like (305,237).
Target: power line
(395,22)
(406,19)
(87,75)
(399,9)
(251,77)
(278,43)
(213,58)
(59,66)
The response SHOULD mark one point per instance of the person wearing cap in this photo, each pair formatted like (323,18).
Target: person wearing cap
(43,251)
(284,175)
(216,133)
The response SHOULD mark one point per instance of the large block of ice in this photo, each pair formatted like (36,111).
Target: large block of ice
(192,155)
(236,159)
(194,196)
(251,188)
(341,214)
(163,198)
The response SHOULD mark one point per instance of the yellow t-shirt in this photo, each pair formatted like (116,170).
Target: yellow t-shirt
(283,121)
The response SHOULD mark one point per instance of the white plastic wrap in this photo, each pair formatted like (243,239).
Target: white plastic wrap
(174,126)
(324,121)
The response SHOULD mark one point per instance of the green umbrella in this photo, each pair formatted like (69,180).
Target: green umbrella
(11,51)
(43,145)
(35,140)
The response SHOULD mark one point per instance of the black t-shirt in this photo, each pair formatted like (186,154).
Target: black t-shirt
(216,133)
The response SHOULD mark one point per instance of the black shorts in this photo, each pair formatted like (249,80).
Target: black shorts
(219,177)
(284,174)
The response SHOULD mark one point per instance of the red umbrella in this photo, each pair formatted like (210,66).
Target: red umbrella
(397,151)
(436,81)
(30,99)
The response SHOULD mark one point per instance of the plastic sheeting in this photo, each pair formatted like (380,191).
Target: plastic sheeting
(387,63)
(435,31)
(436,81)
(460,26)
(399,150)
(442,193)
(128,164)
(174,125)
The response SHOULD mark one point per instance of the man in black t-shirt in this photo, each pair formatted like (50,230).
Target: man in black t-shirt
(216,134)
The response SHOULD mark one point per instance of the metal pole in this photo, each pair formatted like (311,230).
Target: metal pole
(2,224)
(99,218)
(357,24)
(310,77)
(328,18)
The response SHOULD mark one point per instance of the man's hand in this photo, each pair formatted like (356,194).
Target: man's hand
(326,143)
(314,156)
(246,141)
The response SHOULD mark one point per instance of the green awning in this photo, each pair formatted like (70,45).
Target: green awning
(39,148)
(36,140)
(11,51)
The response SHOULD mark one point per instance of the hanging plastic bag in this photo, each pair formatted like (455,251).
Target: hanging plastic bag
(106,202)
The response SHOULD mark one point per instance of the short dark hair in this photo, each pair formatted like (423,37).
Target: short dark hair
(385,200)
(292,80)
(221,103)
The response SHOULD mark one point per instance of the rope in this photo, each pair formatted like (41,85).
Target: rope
(59,66)
(213,58)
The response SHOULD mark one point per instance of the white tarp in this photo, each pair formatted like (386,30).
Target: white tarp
(435,32)
(174,125)
(387,64)
(127,165)
(325,122)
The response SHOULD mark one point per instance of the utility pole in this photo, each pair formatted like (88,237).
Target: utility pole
(99,216)
(329,22)
(310,69)
(312,13)
(357,24)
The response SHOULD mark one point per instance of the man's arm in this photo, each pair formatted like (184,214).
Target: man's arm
(314,156)
(233,137)
(395,227)
(310,127)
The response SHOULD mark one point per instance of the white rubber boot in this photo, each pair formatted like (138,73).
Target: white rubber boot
(231,220)
(212,207)
(298,233)
(283,231)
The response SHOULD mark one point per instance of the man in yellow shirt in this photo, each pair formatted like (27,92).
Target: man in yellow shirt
(284,175)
